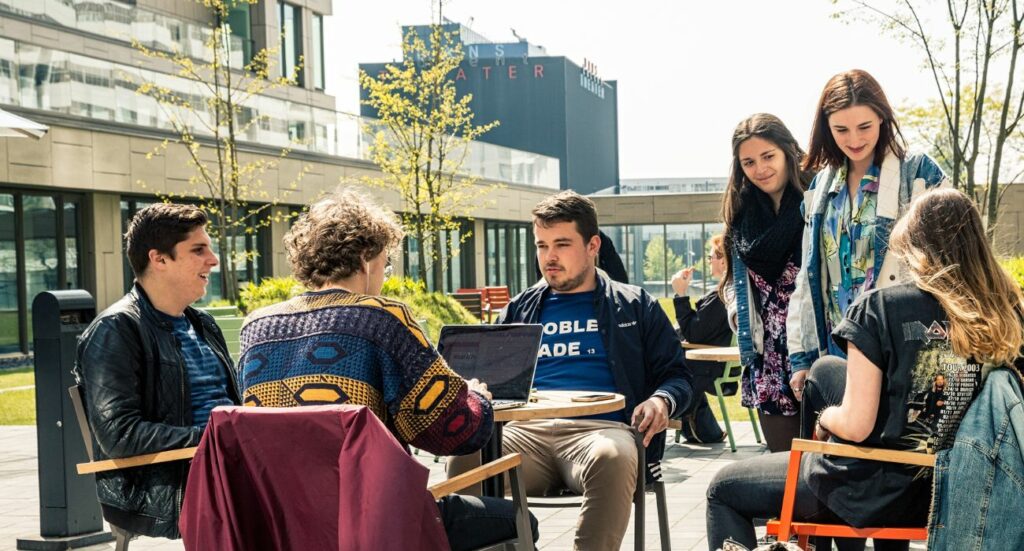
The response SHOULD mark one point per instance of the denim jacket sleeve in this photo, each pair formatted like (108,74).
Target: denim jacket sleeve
(801,332)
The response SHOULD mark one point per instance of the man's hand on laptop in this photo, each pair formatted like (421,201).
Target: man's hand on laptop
(480,388)
(650,418)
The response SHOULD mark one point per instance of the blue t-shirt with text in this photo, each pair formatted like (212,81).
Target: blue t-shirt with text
(572,354)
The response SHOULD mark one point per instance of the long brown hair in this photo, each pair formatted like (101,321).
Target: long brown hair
(767,127)
(849,89)
(942,241)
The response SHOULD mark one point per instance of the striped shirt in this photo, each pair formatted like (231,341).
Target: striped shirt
(207,380)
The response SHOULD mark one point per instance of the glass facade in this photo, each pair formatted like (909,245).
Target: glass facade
(458,267)
(34,77)
(252,250)
(116,20)
(318,52)
(511,255)
(39,244)
(653,253)
(290,19)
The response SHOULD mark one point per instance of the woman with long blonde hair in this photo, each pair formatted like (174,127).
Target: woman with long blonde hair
(915,353)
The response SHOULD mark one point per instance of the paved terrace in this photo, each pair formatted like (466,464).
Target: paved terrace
(688,469)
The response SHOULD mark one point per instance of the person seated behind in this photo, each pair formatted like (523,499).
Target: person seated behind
(152,367)
(342,343)
(961,311)
(706,324)
(625,344)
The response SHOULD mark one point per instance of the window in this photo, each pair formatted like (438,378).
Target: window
(318,52)
(511,256)
(39,251)
(290,18)
(457,267)
(653,253)
(241,34)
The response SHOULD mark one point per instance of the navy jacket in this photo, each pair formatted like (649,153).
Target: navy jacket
(643,349)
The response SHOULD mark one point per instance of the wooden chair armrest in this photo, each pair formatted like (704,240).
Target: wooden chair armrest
(695,346)
(136,460)
(473,476)
(860,452)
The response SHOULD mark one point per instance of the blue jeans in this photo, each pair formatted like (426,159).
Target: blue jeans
(474,522)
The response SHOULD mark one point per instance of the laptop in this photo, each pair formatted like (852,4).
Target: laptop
(503,356)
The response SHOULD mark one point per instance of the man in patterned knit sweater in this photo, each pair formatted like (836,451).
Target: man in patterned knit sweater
(341,343)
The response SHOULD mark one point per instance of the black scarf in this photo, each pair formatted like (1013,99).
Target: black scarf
(767,241)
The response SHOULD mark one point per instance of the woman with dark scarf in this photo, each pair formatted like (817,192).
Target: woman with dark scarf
(763,231)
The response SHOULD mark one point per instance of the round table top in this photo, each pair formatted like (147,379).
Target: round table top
(553,404)
(723,354)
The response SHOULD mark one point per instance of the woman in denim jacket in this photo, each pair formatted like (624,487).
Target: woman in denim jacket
(915,364)
(865,181)
(763,228)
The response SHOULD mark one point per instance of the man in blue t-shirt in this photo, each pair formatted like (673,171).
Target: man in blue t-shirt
(603,336)
(152,367)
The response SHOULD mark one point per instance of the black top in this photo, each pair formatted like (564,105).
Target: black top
(926,390)
(707,324)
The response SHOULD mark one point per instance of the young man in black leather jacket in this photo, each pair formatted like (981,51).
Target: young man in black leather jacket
(152,367)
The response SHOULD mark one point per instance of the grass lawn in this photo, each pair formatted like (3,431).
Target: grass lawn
(17,407)
(732,405)
(17,377)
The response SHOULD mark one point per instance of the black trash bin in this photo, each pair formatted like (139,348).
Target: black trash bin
(69,513)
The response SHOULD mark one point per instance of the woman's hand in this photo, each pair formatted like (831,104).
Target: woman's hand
(681,281)
(797,382)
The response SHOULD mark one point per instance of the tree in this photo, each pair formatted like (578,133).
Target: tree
(928,130)
(660,262)
(966,48)
(421,140)
(207,119)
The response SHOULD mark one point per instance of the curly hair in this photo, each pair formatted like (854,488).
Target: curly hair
(332,240)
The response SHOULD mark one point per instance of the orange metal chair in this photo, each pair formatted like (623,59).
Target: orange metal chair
(784,527)
(495,300)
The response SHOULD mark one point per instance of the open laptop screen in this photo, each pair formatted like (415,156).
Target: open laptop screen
(503,356)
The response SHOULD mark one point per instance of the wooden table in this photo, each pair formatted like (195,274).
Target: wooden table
(550,404)
(723,354)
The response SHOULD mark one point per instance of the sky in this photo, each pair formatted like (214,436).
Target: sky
(688,71)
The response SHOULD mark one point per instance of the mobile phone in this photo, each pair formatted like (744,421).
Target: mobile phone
(593,397)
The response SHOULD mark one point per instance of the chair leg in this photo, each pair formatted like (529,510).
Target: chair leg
(121,538)
(659,495)
(524,533)
(753,423)
(725,413)
(639,494)
(802,541)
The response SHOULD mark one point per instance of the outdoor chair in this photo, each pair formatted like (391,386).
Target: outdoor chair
(510,463)
(495,300)
(733,373)
(470,299)
(356,484)
(785,527)
(121,536)
(569,499)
